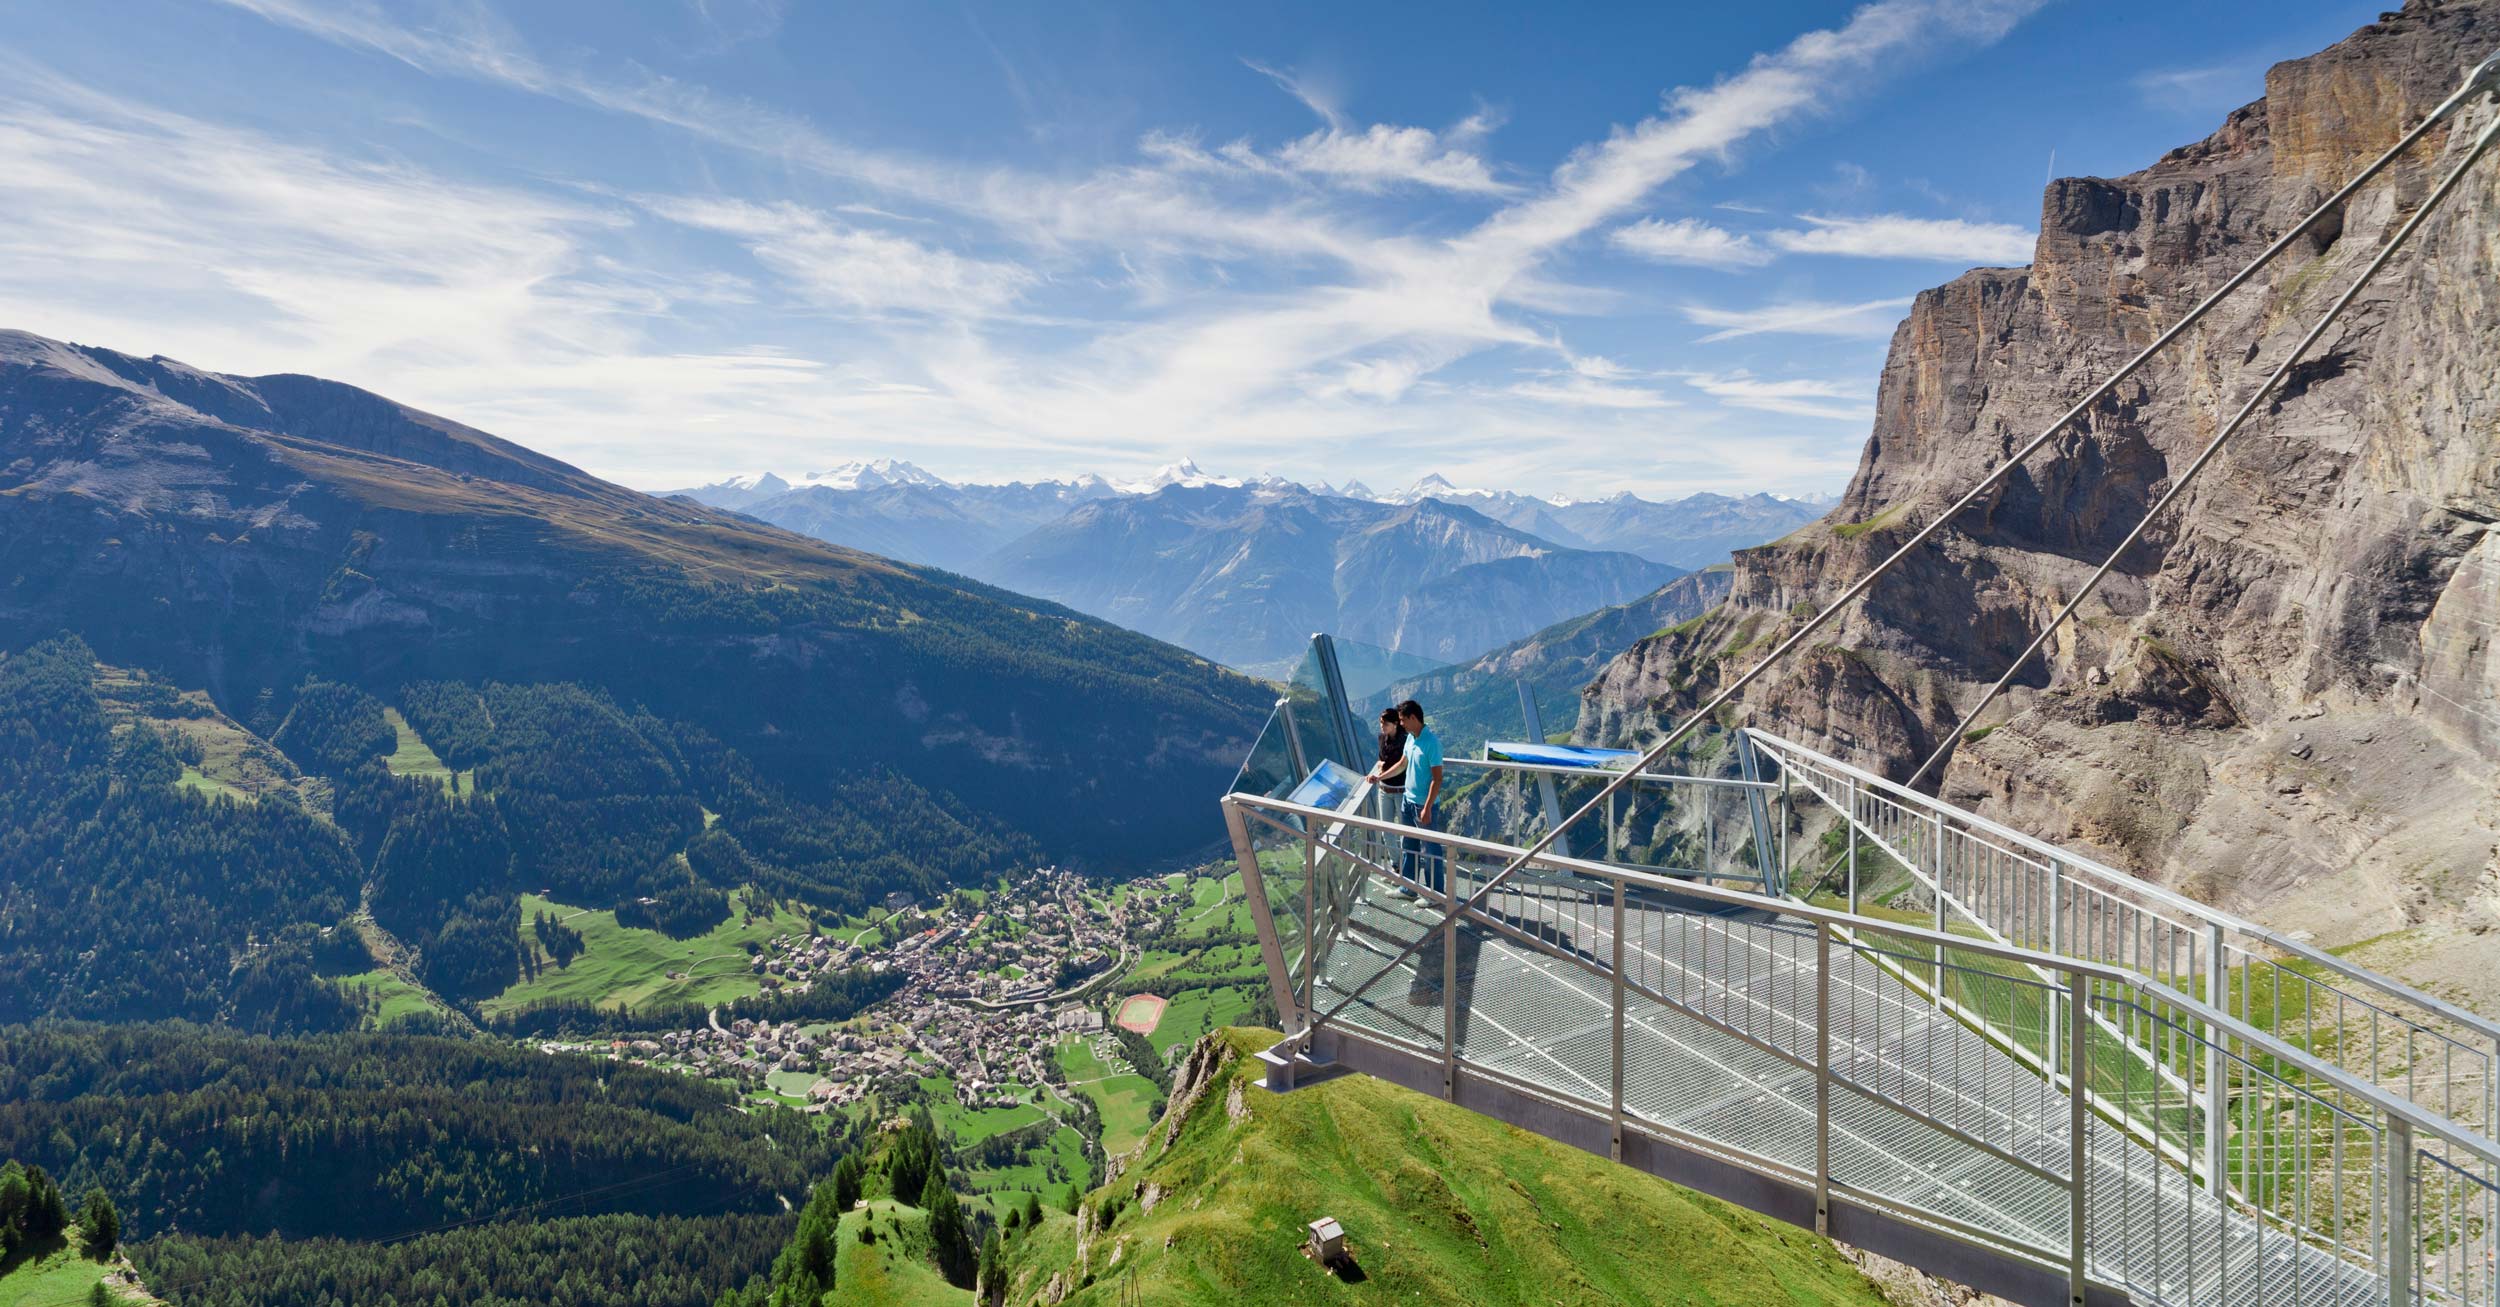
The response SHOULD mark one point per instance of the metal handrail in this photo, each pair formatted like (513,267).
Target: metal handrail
(2270,1045)
(2203,912)
(1608,773)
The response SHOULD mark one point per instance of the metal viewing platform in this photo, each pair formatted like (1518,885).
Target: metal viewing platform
(1785,981)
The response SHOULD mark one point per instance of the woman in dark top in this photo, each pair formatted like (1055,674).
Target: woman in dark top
(1390,773)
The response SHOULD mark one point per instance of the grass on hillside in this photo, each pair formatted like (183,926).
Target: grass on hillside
(57,1276)
(414,757)
(625,966)
(961,1126)
(234,763)
(897,1270)
(397,1000)
(1196,1012)
(1439,1205)
(1125,1099)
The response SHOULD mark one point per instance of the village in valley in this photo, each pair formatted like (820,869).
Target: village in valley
(1042,1005)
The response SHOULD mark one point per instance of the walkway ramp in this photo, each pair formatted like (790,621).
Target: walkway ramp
(1906,1082)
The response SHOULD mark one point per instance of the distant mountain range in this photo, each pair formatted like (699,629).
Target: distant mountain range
(1242,570)
(1245,575)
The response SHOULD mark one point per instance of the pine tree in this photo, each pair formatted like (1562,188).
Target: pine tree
(16,1196)
(99,1225)
(47,1215)
(847,1177)
(992,1283)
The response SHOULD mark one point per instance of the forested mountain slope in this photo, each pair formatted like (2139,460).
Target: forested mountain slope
(244,535)
(2283,699)
(382,1170)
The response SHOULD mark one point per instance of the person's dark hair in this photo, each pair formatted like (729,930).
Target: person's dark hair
(1410,708)
(1390,726)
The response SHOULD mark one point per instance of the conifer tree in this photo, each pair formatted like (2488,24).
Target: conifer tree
(99,1225)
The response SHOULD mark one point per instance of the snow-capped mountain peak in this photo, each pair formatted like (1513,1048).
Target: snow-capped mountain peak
(870,475)
(755,483)
(1184,473)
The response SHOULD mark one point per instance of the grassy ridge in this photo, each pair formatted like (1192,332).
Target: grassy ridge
(58,1276)
(1439,1205)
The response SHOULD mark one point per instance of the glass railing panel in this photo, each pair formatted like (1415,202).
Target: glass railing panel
(1268,769)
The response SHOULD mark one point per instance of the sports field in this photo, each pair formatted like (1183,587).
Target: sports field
(1141,1013)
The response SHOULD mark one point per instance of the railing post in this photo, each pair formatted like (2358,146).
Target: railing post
(1823,1077)
(1310,933)
(2057,915)
(2217,1067)
(1853,845)
(2076,1157)
(1617,1106)
(2402,1247)
(1777,885)
(1935,876)
(1449,981)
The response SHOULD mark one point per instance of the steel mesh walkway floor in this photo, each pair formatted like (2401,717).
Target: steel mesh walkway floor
(1545,1020)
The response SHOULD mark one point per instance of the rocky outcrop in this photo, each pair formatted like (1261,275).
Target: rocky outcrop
(2287,698)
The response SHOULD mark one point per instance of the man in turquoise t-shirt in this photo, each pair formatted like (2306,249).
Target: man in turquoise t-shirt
(1421,860)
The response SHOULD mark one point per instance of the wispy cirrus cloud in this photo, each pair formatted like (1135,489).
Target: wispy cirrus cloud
(847,267)
(1264,292)
(1868,320)
(1795,397)
(1381,156)
(1899,236)
(1688,241)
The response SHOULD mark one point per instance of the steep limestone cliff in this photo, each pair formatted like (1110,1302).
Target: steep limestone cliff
(2287,699)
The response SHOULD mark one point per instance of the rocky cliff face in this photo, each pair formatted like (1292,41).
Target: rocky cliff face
(2287,700)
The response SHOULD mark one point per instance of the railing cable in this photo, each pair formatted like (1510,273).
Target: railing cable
(2485,77)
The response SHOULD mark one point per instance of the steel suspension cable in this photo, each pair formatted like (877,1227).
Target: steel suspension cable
(2485,77)
(2447,184)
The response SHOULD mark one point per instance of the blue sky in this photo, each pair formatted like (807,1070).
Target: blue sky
(1555,248)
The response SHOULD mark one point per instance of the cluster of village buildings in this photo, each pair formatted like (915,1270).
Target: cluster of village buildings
(988,990)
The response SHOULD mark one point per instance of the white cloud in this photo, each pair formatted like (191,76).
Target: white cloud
(851,268)
(1317,99)
(154,232)
(1381,156)
(1797,397)
(1873,319)
(1260,298)
(1898,236)
(1690,241)
(1587,392)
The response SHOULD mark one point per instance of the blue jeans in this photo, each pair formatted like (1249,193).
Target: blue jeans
(1419,859)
